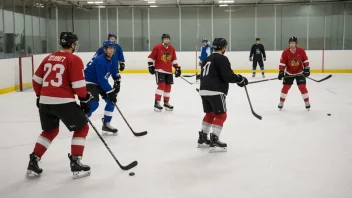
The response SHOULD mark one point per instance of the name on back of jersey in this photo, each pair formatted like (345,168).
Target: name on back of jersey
(56,58)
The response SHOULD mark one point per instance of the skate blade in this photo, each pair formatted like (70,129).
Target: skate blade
(80,174)
(203,146)
(168,109)
(217,149)
(108,133)
(157,110)
(32,174)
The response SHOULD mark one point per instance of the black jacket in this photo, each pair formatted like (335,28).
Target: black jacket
(216,75)
(257,50)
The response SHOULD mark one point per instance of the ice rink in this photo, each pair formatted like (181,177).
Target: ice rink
(294,153)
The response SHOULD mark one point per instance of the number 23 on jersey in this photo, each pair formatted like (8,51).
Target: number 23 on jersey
(56,81)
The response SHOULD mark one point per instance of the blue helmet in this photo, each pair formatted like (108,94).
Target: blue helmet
(108,43)
(111,35)
(205,40)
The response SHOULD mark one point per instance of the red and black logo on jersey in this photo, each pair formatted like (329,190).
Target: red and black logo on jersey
(166,57)
(294,63)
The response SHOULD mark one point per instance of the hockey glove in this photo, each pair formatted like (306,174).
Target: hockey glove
(85,103)
(122,66)
(117,85)
(306,71)
(177,71)
(250,59)
(112,96)
(241,81)
(151,69)
(281,74)
(264,58)
(200,64)
(38,101)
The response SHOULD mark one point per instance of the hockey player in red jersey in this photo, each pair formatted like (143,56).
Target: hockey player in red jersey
(58,78)
(161,61)
(294,64)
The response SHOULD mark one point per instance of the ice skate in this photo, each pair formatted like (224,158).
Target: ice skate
(78,169)
(168,107)
(263,75)
(157,106)
(307,105)
(33,169)
(216,145)
(281,105)
(108,129)
(253,75)
(203,141)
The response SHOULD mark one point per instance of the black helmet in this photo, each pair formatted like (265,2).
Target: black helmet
(257,39)
(293,39)
(219,43)
(67,38)
(165,36)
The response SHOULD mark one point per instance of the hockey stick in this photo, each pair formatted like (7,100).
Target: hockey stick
(189,75)
(250,104)
(262,80)
(318,81)
(134,133)
(187,80)
(128,167)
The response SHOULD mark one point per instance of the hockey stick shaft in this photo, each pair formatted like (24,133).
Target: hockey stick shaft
(186,80)
(262,80)
(329,76)
(250,104)
(129,126)
(131,165)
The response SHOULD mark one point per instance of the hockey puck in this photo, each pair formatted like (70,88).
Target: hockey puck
(329,114)
(131,174)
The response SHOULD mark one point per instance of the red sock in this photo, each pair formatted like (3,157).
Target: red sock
(159,91)
(167,92)
(44,141)
(304,92)
(218,123)
(78,141)
(207,122)
(284,92)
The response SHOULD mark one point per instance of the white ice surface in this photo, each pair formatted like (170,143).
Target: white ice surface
(289,154)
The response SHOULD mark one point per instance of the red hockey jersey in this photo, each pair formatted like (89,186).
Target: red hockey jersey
(293,63)
(58,78)
(164,58)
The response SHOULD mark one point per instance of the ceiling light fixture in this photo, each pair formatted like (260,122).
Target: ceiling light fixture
(153,6)
(151,1)
(227,1)
(98,2)
(90,2)
(223,5)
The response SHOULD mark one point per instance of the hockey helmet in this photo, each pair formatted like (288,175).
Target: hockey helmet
(165,36)
(205,40)
(112,35)
(108,44)
(293,39)
(219,43)
(67,38)
(257,39)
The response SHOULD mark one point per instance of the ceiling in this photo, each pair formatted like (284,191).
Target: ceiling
(83,3)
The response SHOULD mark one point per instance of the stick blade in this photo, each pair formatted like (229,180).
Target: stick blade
(140,133)
(256,115)
(329,76)
(189,75)
(131,165)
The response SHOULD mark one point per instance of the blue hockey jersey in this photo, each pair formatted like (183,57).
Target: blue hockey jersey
(205,52)
(118,56)
(99,70)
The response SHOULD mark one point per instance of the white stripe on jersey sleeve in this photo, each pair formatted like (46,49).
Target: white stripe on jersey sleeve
(174,62)
(78,84)
(38,79)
